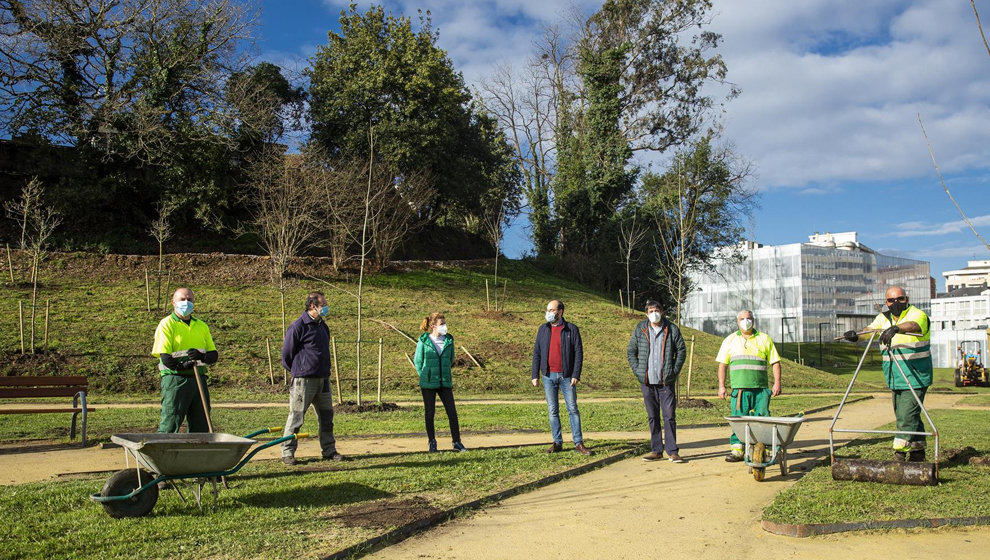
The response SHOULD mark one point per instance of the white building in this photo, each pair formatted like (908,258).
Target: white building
(975,275)
(803,291)
(961,315)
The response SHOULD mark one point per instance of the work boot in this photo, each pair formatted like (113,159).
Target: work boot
(733,458)
(900,456)
(917,456)
(289,460)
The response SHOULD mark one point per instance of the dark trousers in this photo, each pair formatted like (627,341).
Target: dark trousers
(430,407)
(661,410)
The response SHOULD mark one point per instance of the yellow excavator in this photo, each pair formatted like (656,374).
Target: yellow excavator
(971,370)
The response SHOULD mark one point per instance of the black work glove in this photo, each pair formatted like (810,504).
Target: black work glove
(188,364)
(888,334)
(851,336)
(195,354)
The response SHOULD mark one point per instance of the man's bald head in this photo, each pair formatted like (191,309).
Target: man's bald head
(182,294)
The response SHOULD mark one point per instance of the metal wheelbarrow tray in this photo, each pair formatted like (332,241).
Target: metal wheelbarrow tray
(763,434)
(165,458)
(184,454)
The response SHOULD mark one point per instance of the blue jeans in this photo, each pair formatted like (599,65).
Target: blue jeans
(551,384)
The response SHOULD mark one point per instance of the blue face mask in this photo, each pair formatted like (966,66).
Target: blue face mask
(325,311)
(183,308)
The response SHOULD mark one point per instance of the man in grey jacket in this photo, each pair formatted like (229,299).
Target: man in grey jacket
(656,354)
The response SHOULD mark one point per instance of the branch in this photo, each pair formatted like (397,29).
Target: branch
(932,153)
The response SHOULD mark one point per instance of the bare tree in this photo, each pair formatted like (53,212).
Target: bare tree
(161,230)
(285,199)
(631,236)
(38,222)
(21,210)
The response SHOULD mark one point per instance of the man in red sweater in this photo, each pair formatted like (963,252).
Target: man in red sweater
(558,356)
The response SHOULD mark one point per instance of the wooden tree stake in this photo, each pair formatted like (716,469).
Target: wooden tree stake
(20,321)
(488,299)
(381,347)
(271,370)
(472,357)
(10,264)
(147,290)
(411,361)
(505,286)
(336,370)
(48,304)
(690,366)
(168,286)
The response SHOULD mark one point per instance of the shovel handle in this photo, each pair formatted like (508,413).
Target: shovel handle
(874,332)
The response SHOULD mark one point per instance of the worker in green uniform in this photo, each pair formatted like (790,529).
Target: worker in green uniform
(913,353)
(746,354)
(184,347)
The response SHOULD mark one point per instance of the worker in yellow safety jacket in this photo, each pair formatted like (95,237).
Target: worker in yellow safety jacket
(904,337)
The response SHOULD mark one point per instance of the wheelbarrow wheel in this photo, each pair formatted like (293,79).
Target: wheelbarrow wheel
(759,456)
(123,483)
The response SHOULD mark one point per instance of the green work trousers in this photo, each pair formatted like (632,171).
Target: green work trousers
(749,402)
(180,401)
(908,415)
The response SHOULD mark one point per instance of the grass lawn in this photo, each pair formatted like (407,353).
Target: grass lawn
(271,511)
(963,491)
(110,342)
(977,400)
(595,417)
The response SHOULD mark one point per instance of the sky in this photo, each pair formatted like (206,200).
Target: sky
(829,111)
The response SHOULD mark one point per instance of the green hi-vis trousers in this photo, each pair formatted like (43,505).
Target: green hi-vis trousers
(180,401)
(749,402)
(908,415)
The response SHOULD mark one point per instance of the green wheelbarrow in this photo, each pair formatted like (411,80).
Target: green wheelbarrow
(203,457)
(766,439)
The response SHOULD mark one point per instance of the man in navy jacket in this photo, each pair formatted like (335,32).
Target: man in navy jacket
(306,354)
(558,356)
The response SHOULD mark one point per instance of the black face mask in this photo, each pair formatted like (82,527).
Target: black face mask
(897,308)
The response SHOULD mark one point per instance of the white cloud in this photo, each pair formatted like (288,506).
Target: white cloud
(916,229)
(832,89)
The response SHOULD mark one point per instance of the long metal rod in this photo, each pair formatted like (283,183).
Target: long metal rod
(882,432)
(831,440)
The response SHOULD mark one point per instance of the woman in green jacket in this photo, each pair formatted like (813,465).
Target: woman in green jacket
(434,357)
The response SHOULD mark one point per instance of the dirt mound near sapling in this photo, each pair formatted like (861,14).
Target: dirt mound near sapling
(381,515)
(963,456)
(695,403)
(349,407)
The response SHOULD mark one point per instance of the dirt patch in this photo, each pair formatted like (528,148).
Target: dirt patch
(695,403)
(507,352)
(350,407)
(506,316)
(381,515)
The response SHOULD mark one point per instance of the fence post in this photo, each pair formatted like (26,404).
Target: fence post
(10,264)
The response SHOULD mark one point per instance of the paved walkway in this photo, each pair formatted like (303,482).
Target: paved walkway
(705,508)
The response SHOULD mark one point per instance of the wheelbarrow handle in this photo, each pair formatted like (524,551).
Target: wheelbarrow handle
(264,431)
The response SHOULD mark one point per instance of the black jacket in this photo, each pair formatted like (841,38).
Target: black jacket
(306,350)
(571,351)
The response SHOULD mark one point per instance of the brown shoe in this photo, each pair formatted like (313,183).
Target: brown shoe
(580,448)
(651,456)
(675,458)
(555,448)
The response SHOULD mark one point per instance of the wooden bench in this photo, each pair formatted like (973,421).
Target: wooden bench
(26,387)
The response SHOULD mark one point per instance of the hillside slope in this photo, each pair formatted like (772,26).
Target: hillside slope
(100,326)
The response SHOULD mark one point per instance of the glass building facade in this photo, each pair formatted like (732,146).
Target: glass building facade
(803,291)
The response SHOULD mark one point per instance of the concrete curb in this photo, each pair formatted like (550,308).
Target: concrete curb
(801,530)
(401,533)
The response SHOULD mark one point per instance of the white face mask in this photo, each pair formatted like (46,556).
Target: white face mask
(442,329)
(551,316)
(655,316)
(745,324)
